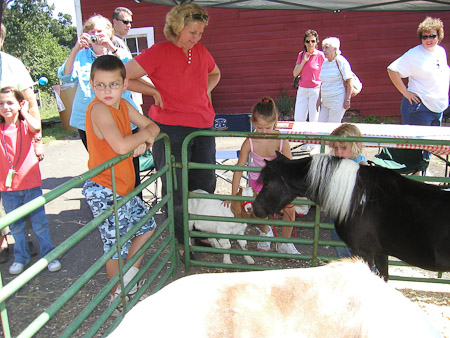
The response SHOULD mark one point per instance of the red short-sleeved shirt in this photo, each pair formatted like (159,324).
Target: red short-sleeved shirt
(182,82)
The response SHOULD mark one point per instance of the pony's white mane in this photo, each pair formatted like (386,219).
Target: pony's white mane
(333,183)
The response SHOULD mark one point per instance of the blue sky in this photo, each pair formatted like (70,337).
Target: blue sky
(64,6)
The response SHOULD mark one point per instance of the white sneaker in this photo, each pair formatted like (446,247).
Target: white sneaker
(132,292)
(54,266)
(287,248)
(136,288)
(16,268)
(264,246)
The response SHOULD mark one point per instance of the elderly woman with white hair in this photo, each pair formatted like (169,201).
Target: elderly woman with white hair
(336,88)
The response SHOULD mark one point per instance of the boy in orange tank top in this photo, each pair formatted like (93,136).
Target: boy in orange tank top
(108,131)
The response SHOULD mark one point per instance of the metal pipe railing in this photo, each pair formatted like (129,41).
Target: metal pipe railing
(317,225)
(169,260)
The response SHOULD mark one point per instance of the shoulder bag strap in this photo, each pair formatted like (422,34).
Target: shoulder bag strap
(337,63)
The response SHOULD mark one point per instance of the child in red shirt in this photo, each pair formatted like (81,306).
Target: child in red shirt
(20,176)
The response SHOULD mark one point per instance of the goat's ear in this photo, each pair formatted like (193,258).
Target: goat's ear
(244,213)
(236,205)
(236,208)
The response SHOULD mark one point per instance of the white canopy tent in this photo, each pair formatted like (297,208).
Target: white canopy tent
(335,6)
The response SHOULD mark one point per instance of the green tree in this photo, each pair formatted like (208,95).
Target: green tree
(35,37)
(63,30)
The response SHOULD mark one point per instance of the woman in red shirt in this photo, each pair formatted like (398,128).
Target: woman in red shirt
(184,74)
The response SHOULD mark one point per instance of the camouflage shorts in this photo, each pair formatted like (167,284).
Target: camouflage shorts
(99,199)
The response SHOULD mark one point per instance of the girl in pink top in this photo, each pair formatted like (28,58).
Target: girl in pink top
(264,119)
(308,65)
(20,177)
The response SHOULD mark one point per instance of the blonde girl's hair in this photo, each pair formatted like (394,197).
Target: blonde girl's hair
(348,129)
(90,23)
(265,109)
(181,15)
(18,95)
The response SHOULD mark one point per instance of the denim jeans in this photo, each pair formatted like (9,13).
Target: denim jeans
(201,150)
(14,199)
(418,114)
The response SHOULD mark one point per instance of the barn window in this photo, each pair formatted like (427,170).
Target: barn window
(139,39)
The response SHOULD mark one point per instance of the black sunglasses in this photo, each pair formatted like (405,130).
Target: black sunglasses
(126,22)
(308,41)
(426,37)
(198,16)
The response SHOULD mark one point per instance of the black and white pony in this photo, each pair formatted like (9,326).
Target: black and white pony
(377,211)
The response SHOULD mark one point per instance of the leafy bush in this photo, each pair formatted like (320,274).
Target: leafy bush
(285,105)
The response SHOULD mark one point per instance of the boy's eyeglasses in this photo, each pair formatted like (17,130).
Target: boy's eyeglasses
(308,41)
(126,22)
(431,36)
(198,16)
(113,86)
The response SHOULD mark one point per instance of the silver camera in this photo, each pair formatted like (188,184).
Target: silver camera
(93,39)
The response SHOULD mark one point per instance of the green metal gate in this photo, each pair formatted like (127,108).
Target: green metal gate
(317,225)
(157,267)
(161,258)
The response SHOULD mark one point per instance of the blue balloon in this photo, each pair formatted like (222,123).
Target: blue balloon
(43,81)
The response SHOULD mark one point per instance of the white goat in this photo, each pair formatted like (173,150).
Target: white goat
(340,300)
(209,207)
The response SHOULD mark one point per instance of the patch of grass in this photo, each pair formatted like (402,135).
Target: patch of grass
(55,132)
(48,108)
(51,123)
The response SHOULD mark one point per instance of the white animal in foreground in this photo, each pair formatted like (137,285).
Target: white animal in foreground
(209,207)
(340,300)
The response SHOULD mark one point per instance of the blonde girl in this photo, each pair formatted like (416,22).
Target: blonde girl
(264,118)
(349,150)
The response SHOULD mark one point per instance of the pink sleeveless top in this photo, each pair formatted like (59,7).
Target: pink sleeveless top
(258,161)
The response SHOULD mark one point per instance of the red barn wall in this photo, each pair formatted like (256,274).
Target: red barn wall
(256,50)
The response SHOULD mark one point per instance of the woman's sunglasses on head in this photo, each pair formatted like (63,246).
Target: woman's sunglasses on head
(198,16)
